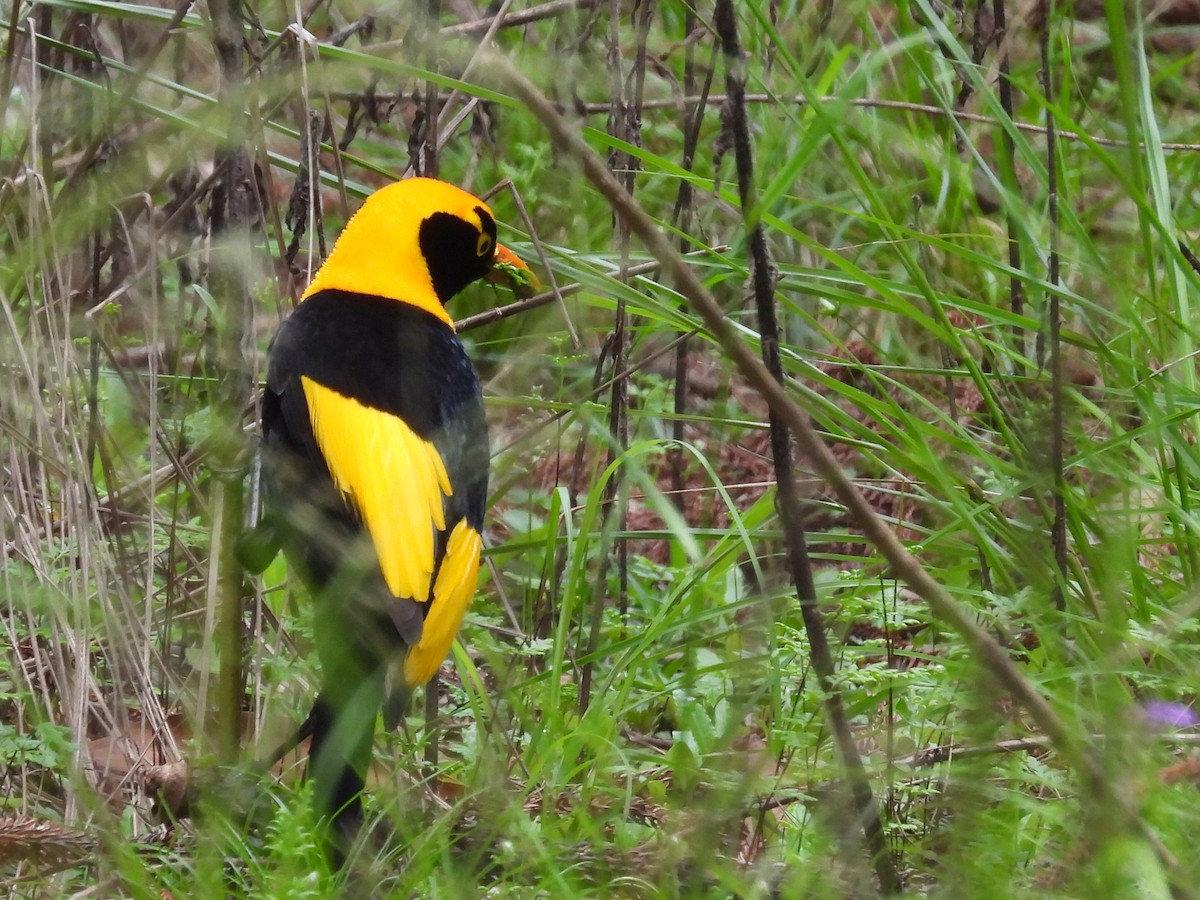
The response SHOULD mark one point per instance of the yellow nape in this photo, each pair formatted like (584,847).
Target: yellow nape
(395,479)
(451,596)
(379,250)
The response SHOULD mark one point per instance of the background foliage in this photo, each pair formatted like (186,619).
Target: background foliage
(985,291)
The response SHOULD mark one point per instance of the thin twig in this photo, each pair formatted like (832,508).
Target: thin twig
(427,162)
(540,248)
(518,19)
(1189,255)
(791,510)
(899,105)
(1058,528)
(943,753)
(681,217)
(488,316)
(1008,176)
(621,125)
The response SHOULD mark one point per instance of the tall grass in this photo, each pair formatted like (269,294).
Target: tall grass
(633,709)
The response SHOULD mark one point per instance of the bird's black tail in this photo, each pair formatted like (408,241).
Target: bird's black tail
(342,731)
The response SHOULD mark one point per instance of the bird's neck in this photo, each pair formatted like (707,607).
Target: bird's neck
(356,265)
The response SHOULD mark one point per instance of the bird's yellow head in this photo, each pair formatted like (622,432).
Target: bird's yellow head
(418,241)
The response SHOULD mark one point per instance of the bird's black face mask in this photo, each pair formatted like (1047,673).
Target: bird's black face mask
(456,252)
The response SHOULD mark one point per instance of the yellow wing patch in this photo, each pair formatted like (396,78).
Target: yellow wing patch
(395,479)
(451,597)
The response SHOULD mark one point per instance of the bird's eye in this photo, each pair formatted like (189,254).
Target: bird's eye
(484,246)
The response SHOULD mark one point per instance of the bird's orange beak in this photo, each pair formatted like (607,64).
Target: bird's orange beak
(509,270)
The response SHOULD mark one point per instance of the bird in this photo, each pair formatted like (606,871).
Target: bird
(375,457)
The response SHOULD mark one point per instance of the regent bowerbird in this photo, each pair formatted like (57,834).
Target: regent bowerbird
(376,458)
